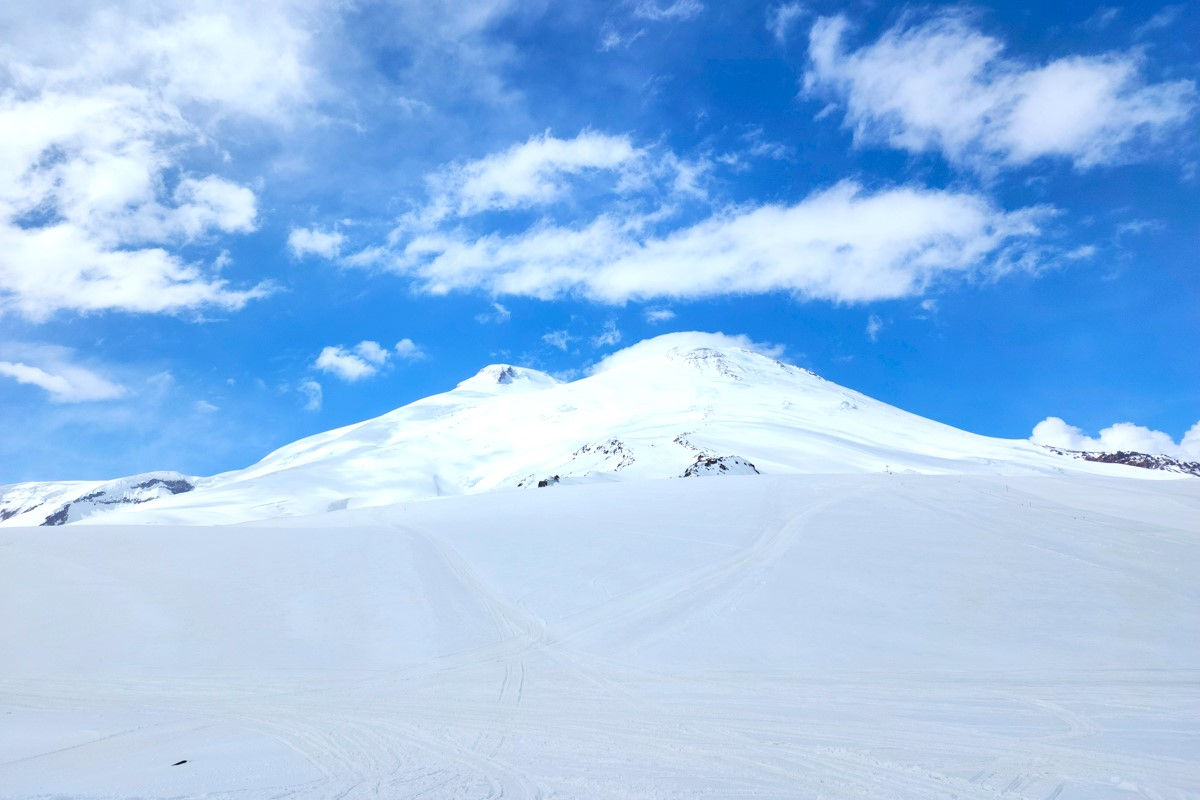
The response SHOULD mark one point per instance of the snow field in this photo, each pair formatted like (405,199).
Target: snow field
(846,636)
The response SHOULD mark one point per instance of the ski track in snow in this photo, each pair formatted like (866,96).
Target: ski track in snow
(657,677)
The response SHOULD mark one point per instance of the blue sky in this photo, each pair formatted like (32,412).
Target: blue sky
(224,229)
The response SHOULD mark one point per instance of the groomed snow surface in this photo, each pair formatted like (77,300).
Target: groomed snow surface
(767,636)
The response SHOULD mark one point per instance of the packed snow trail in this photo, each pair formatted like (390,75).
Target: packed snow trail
(804,636)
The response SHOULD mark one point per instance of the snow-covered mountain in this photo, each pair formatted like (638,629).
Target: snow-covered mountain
(682,404)
(60,502)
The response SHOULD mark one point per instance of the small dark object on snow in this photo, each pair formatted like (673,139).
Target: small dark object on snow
(177,763)
(544,482)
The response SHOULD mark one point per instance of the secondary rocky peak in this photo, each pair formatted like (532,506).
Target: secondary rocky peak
(1133,459)
(495,376)
(711,360)
(503,372)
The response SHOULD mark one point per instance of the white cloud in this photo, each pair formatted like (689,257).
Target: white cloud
(498,314)
(161,382)
(611,38)
(536,172)
(657,315)
(1162,20)
(367,257)
(781,18)
(760,147)
(608,336)
(252,59)
(680,9)
(372,352)
(451,51)
(347,365)
(844,243)
(1055,432)
(211,203)
(559,339)
(548,174)
(57,267)
(874,327)
(1102,17)
(364,359)
(65,383)
(205,407)
(1139,226)
(95,193)
(560,179)
(683,341)
(407,350)
(942,85)
(313,395)
(313,241)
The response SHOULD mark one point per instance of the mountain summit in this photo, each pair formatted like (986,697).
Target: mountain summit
(678,405)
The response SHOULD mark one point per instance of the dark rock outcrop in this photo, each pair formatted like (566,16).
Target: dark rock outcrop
(1132,459)
(719,465)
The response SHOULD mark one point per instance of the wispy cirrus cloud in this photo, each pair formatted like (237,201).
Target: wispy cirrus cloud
(498,315)
(313,394)
(781,19)
(609,335)
(560,339)
(942,85)
(676,10)
(65,383)
(61,373)
(874,327)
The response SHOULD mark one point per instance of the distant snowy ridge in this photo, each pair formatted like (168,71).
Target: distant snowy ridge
(50,503)
(1132,459)
(675,406)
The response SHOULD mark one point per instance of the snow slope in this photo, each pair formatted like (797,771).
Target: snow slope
(665,407)
(839,636)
